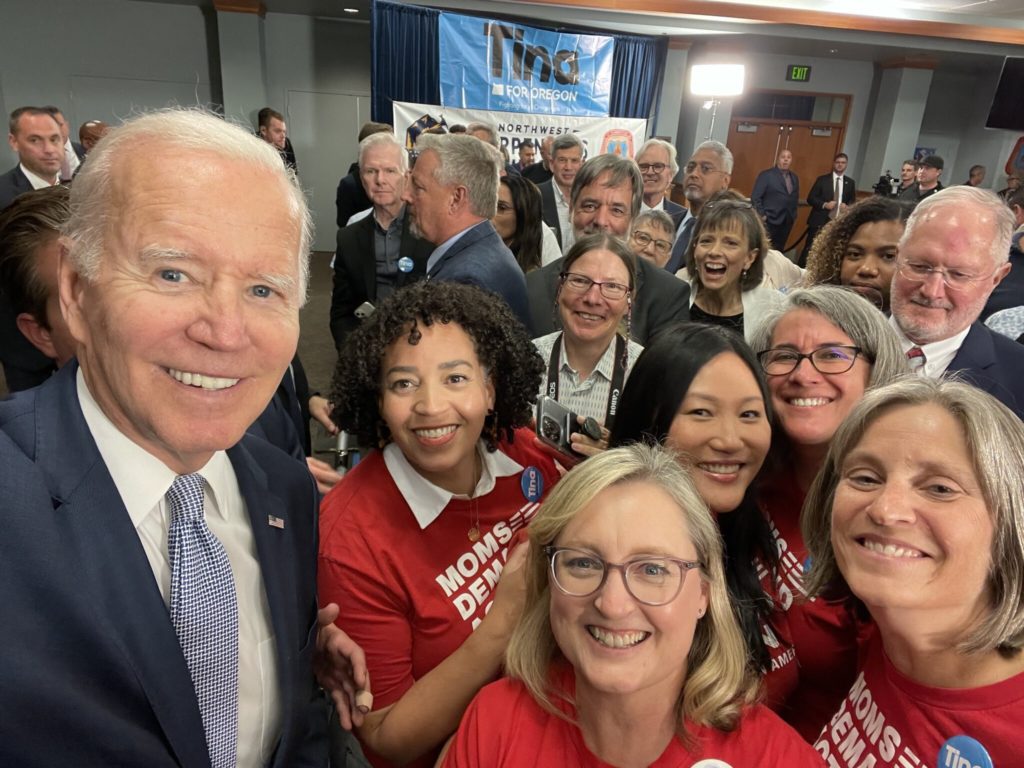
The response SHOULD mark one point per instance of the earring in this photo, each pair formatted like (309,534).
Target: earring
(743,274)
(700,613)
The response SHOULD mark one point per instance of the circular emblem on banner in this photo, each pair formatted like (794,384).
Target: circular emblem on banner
(963,752)
(532,483)
(405,264)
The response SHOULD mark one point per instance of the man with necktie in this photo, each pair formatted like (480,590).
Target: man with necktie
(775,196)
(830,195)
(952,255)
(157,568)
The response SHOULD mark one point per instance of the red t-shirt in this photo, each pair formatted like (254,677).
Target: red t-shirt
(823,632)
(504,727)
(411,596)
(887,719)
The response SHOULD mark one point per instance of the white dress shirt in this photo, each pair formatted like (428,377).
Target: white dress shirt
(142,480)
(564,217)
(937,355)
(37,182)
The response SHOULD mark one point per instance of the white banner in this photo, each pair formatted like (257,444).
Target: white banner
(601,135)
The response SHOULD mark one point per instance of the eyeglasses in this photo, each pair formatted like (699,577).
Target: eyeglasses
(917,272)
(706,169)
(835,358)
(651,580)
(652,167)
(582,283)
(739,205)
(643,240)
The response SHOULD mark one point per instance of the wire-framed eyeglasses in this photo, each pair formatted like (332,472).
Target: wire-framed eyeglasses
(831,358)
(643,240)
(918,272)
(581,284)
(650,579)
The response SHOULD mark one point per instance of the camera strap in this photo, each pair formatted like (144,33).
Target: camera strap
(618,376)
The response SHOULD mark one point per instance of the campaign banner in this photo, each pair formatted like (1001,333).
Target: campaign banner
(600,135)
(508,67)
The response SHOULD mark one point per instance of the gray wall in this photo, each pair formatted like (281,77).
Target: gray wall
(101,59)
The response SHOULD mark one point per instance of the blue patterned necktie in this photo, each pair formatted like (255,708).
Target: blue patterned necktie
(204,611)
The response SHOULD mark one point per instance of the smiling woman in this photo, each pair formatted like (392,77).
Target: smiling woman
(418,541)
(917,513)
(726,265)
(628,652)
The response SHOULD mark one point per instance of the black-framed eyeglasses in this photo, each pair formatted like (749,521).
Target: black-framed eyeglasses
(650,579)
(581,284)
(918,272)
(652,167)
(643,240)
(831,358)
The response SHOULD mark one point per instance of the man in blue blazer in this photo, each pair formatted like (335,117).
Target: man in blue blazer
(157,569)
(952,256)
(452,195)
(775,196)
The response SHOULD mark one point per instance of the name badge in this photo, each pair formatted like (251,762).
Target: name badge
(405,264)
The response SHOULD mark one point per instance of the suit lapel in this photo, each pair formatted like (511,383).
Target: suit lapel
(976,353)
(113,577)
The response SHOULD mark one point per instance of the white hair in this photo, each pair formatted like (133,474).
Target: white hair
(719,149)
(985,202)
(389,139)
(661,144)
(188,130)
(468,162)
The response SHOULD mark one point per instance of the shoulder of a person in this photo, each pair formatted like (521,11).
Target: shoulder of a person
(523,451)
(361,487)
(759,726)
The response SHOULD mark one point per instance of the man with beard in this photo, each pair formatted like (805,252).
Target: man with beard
(951,257)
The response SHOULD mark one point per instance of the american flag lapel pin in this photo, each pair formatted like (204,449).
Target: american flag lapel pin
(275,522)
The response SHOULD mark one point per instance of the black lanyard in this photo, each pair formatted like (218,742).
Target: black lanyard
(618,376)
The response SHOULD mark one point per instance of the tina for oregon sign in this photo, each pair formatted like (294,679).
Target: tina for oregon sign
(507,67)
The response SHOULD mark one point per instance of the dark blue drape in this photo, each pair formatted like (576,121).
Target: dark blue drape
(405,63)
(404,57)
(638,69)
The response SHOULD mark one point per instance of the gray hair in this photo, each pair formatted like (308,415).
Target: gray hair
(661,144)
(986,203)
(382,138)
(566,141)
(468,162)
(489,128)
(620,169)
(853,315)
(995,442)
(658,218)
(181,130)
(719,149)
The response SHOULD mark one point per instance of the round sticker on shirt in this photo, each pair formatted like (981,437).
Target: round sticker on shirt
(711,764)
(405,264)
(532,483)
(807,564)
(963,752)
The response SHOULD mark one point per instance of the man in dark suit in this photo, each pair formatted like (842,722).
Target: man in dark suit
(377,254)
(452,194)
(824,203)
(566,159)
(351,197)
(775,196)
(657,162)
(951,257)
(35,137)
(74,152)
(606,197)
(540,172)
(707,172)
(157,569)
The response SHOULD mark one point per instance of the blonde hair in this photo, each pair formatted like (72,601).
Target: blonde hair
(718,681)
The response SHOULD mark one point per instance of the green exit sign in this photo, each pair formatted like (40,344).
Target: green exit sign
(798,73)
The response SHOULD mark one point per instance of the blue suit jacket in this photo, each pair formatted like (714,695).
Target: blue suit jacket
(480,258)
(772,200)
(91,672)
(993,363)
(12,184)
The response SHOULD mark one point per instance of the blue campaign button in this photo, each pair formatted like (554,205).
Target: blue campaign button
(405,264)
(807,564)
(963,752)
(532,483)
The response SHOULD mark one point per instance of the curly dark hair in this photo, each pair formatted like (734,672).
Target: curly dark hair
(501,341)
(826,255)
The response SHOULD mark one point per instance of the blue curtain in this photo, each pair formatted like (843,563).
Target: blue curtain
(638,69)
(404,57)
